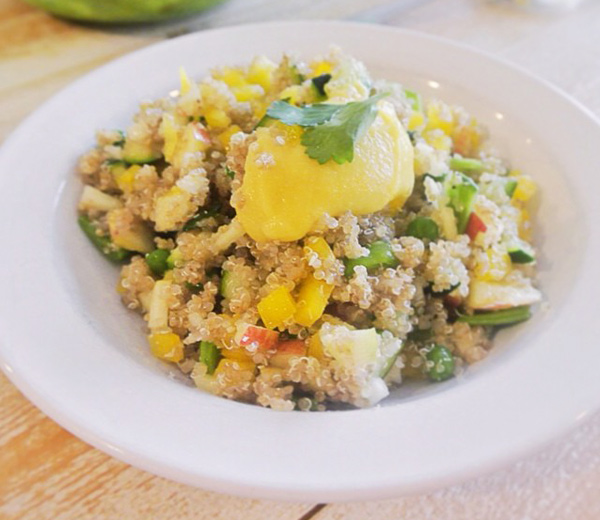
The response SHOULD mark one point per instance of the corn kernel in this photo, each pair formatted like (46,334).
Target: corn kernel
(231,76)
(166,346)
(277,308)
(224,137)
(260,72)
(438,139)
(216,118)
(525,189)
(185,81)
(247,92)
(415,121)
(313,297)
(321,247)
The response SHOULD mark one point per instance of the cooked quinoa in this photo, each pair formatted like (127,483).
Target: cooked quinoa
(354,286)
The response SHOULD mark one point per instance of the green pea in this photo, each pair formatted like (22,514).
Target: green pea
(443,363)
(423,227)
(157,261)
(380,255)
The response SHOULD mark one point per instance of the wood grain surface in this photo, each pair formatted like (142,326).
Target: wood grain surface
(47,473)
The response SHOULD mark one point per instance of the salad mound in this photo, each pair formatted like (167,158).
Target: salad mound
(299,236)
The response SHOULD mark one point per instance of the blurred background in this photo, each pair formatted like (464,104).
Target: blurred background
(559,40)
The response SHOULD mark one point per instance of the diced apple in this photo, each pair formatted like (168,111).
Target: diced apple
(495,296)
(253,337)
(356,348)
(286,351)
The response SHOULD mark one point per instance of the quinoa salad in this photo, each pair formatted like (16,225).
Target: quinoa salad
(301,236)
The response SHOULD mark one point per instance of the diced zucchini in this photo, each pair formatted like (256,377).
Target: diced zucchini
(423,227)
(210,356)
(230,281)
(133,234)
(139,153)
(103,243)
(521,252)
(94,199)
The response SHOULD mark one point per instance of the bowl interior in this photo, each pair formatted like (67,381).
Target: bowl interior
(558,222)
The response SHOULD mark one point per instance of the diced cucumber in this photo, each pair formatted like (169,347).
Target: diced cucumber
(423,227)
(230,281)
(138,153)
(209,355)
(464,164)
(521,252)
(102,242)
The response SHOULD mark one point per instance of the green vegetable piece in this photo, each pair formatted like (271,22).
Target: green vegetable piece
(443,363)
(335,139)
(229,172)
(308,115)
(380,255)
(464,164)
(157,261)
(201,215)
(436,178)
(462,196)
(420,335)
(265,121)
(121,141)
(173,257)
(423,227)
(209,355)
(319,84)
(194,287)
(414,99)
(295,75)
(103,243)
(521,252)
(385,370)
(331,130)
(510,187)
(445,292)
(495,318)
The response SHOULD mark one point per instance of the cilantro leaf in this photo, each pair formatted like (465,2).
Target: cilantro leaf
(335,138)
(309,115)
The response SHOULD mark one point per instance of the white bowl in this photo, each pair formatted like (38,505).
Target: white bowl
(77,353)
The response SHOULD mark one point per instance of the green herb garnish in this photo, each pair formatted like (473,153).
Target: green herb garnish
(330,130)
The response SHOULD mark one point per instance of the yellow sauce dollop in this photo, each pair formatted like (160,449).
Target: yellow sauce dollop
(285,192)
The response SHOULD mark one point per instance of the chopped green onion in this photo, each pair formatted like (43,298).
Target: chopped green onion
(157,261)
(463,164)
(443,363)
(102,242)
(423,227)
(209,355)
(229,172)
(502,317)
(380,255)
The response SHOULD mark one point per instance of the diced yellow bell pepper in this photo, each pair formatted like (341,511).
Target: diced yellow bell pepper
(234,364)
(320,246)
(277,308)
(260,72)
(313,297)
(292,94)
(525,189)
(231,76)
(322,67)
(216,118)
(185,81)
(247,92)
(236,354)
(315,347)
(166,346)
(438,139)
(225,137)
(415,120)
(498,266)
(126,177)
(436,119)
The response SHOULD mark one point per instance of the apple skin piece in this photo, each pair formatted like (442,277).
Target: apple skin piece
(286,351)
(122,11)
(259,338)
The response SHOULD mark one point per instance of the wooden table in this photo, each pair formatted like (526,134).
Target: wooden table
(46,473)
